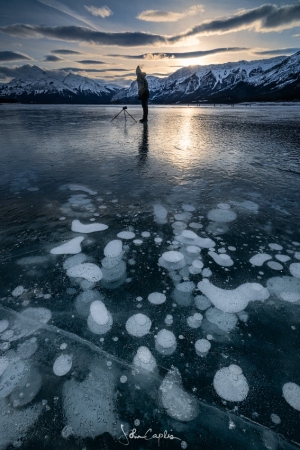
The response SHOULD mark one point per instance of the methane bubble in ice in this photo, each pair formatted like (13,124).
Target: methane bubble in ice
(27,389)
(145,234)
(144,360)
(126,235)
(259,259)
(113,248)
(69,248)
(169,319)
(182,293)
(3,325)
(18,291)
(224,321)
(100,320)
(274,265)
(195,320)
(222,259)
(160,214)
(193,250)
(221,215)
(295,269)
(79,227)
(88,271)
(230,384)
(172,260)
(285,288)
(291,393)
(275,419)
(189,237)
(89,406)
(78,187)
(275,246)
(62,365)
(74,260)
(179,404)
(165,342)
(138,325)
(188,208)
(13,370)
(157,298)
(282,258)
(27,348)
(248,205)
(202,302)
(202,347)
(235,300)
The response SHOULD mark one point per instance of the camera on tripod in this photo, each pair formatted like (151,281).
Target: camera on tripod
(124,109)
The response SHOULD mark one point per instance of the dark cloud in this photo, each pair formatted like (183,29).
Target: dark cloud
(82,34)
(90,61)
(13,72)
(280,51)
(13,56)
(262,19)
(65,52)
(197,54)
(77,69)
(52,58)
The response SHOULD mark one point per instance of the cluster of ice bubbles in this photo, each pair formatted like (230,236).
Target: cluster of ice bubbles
(185,258)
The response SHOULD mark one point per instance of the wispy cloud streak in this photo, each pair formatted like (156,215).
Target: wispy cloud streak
(13,56)
(183,55)
(152,15)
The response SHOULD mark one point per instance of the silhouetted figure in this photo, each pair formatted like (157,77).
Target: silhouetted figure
(144,146)
(143,92)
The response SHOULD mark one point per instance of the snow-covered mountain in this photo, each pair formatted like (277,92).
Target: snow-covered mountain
(265,80)
(49,86)
(269,79)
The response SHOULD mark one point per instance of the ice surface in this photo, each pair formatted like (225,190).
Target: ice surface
(230,384)
(69,248)
(88,271)
(79,227)
(235,300)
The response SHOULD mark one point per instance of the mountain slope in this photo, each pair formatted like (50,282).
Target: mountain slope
(272,79)
(45,86)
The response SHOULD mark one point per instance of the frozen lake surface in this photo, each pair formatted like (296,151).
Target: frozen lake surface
(150,278)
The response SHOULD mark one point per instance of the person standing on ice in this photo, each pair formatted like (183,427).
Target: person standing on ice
(143,92)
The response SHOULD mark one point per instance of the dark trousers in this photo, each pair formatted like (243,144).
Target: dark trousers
(144,99)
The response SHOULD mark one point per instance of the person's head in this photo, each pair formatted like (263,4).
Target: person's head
(139,73)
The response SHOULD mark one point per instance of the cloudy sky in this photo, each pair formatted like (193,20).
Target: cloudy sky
(107,39)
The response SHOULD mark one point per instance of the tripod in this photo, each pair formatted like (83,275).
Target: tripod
(124,109)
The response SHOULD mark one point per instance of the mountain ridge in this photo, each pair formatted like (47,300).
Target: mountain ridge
(272,79)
